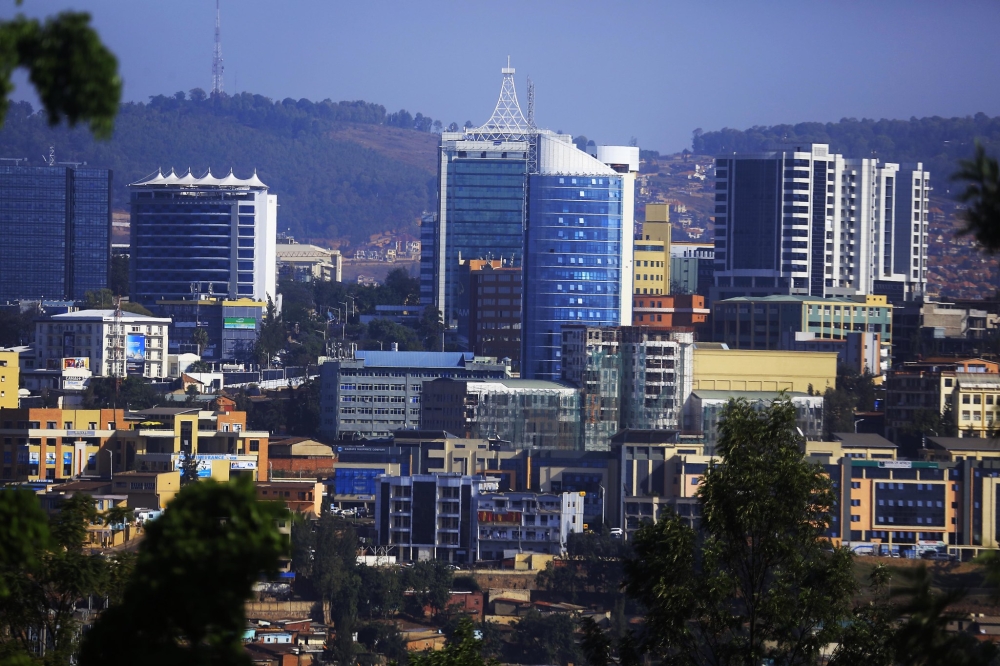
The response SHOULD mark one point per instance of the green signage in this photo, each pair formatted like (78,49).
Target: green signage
(242,323)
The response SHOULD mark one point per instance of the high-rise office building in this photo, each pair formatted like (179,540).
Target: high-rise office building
(577,265)
(55,231)
(193,236)
(507,186)
(804,221)
(630,377)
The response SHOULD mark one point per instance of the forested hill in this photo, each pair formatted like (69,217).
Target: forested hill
(346,169)
(937,142)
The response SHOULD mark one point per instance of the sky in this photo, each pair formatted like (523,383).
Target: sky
(612,71)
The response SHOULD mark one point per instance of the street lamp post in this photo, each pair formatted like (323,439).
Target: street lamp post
(602,505)
(856,422)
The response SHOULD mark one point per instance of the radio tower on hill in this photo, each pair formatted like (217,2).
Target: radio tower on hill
(217,67)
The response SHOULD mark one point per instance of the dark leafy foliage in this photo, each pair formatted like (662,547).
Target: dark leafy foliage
(43,580)
(75,75)
(544,639)
(130,393)
(325,555)
(922,639)
(462,649)
(194,573)
(981,176)
(753,582)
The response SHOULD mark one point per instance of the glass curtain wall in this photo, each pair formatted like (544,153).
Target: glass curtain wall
(485,220)
(572,267)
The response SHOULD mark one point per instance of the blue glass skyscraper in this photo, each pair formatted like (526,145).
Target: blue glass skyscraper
(573,264)
(511,191)
(55,231)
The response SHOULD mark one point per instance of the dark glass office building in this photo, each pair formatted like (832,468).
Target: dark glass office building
(55,231)
(481,214)
(202,235)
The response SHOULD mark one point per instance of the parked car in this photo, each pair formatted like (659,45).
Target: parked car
(937,556)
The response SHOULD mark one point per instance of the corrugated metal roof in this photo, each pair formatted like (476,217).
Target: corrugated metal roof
(863,439)
(970,379)
(965,443)
(414,359)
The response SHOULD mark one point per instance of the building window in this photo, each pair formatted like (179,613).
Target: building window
(255,445)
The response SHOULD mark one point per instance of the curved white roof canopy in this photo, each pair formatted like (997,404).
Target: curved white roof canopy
(190,180)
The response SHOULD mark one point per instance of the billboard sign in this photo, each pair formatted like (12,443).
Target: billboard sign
(243,464)
(76,363)
(240,323)
(135,353)
(74,384)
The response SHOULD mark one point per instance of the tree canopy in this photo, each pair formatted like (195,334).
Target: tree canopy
(195,570)
(753,582)
(74,74)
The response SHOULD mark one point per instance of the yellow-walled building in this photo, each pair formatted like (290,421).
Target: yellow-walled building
(42,444)
(10,378)
(975,403)
(652,252)
(719,369)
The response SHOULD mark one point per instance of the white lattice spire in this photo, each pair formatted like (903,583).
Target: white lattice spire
(507,121)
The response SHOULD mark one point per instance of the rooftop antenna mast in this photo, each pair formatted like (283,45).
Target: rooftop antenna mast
(531,102)
(217,66)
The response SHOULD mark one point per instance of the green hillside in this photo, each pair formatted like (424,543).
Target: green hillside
(937,142)
(340,170)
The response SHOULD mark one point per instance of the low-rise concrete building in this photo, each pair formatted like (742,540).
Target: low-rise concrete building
(303,497)
(101,343)
(511,523)
(528,413)
(147,490)
(309,263)
(375,393)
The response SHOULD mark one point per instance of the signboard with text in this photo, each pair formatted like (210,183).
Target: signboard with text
(240,323)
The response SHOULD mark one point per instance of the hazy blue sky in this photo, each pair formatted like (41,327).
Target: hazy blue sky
(610,70)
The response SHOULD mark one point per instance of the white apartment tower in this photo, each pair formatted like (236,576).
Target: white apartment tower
(804,221)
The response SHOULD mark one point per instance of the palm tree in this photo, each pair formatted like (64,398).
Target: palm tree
(200,338)
(118,516)
(982,196)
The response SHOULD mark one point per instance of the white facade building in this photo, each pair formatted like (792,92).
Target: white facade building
(526,522)
(130,345)
(806,221)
